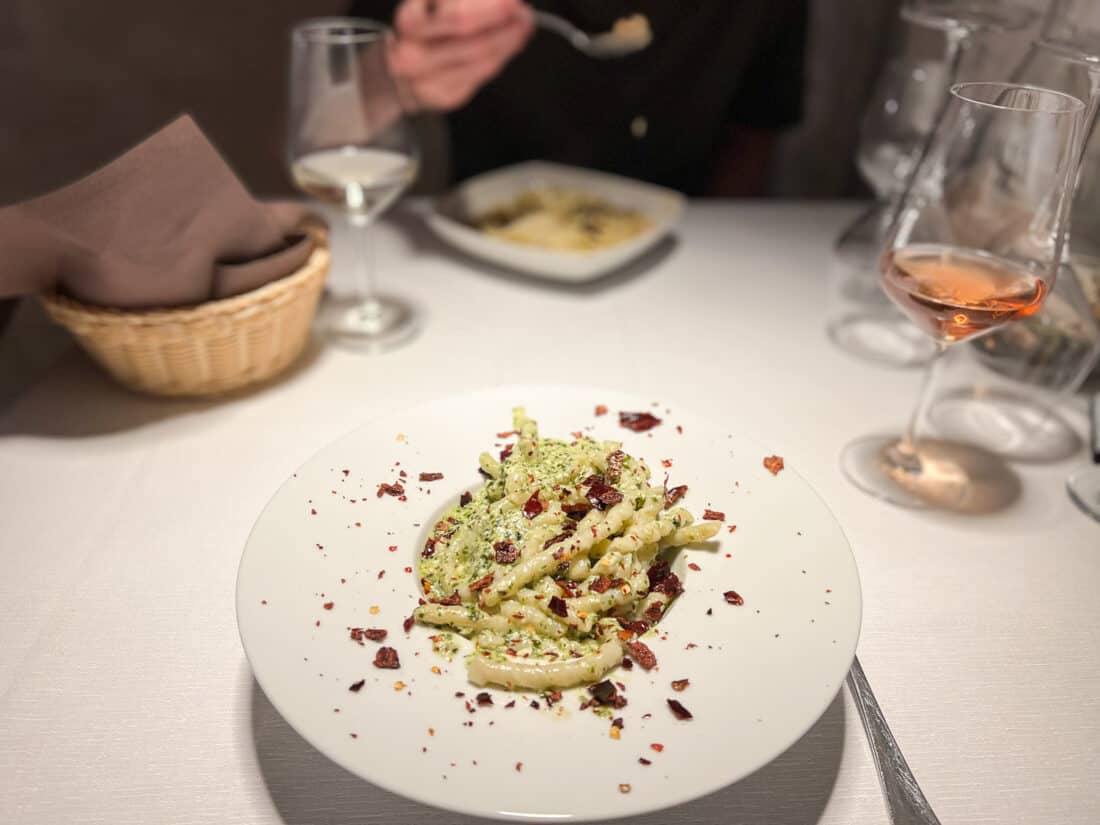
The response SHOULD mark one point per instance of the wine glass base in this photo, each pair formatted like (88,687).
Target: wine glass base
(1010,425)
(882,338)
(1084,488)
(947,476)
(381,324)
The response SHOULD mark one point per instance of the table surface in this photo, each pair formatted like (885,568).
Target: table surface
(125,696)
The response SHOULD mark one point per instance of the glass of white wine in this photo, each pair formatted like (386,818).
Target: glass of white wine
(977,243)
(350,145)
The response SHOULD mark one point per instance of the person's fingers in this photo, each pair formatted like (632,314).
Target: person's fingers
(433,19)
(416,58)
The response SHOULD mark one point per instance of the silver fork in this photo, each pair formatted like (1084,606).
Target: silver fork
(606,45)
(905,803)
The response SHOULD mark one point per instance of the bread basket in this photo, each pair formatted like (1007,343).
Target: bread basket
(205,350)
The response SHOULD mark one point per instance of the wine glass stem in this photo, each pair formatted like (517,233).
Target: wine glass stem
(907,447)
(368,304)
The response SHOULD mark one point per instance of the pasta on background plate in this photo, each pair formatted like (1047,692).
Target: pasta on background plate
(555,561)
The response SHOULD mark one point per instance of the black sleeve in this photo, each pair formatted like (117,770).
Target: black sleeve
(381,10)
(770,93)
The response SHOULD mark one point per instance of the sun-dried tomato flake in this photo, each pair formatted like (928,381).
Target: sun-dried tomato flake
(731,528)
(670,585)
(680,685)
(519,767)
(312,511)
(617,722)
(534,704)
(678,710)
(713,515)
(431,476)
(558,607)
(679,429)
(634,625)
(328,605)
(355,687)
(601,585)
(607,695)
(453,599)
(568,588)
(390,490)
(511,704)
(600,494)
(484,699)
(642,655)
(601,409)
(408,623)
(505,552)
(654,612)
(465,499)
(576,511)
(533,506)
(774,464)
(507,451)
(386,657)
(733,597)
(567,530)
(643,761)
(693,566)
(638,422)
(627,663)
(482,583)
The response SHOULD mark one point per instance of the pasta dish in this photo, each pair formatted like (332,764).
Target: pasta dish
(563,219)
(555,563)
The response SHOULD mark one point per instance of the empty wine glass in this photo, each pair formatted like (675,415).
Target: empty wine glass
(349,145)
(976,243)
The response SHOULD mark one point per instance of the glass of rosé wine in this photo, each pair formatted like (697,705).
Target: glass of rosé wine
(976,243)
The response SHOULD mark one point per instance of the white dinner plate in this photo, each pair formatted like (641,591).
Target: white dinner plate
(328,554)
(451,218)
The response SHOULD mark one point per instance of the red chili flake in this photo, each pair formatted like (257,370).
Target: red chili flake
(643,761)
(552,697)
(507,434)
(408,569)
(453,599)
(408,623)
(679,429)
(733,597)
(601,585)
(731,528)
(639,422)
(317,623)
(670,585)
(390,490)
(431,476)
(557,607)
(328,605)
(507,451)
(312,511)
(484,699)
(392,548)
(386,657)
(657,746)
(511,704)
(607,695)
(576,511)
(713,515)
(627,664)
(403,474)
(533,506)
(693,566)
(642,655)
(615,465)
(355,687)
(381,573)
(666,463)
(375,634)
(429,548)
(534,704)
(519,767)
(601,409)
(568,588)
(617,722)
(601,494)
(402,498)
(680,685)
(774,464)
(345,472)
(678,710)
(465,499)
(482,583)
(654,612)
(263,601)
(675,494)
(505,552)
(634,626)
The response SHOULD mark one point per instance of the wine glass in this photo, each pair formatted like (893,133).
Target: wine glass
(350,145)
(907,102)
(976,243)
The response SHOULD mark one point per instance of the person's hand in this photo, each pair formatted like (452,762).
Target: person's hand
(446,50)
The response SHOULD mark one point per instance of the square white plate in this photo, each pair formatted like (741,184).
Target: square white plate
(451,218)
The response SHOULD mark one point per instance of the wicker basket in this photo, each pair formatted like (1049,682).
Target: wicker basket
(205,350)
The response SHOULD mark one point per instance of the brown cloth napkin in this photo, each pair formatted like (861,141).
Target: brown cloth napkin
(166,224)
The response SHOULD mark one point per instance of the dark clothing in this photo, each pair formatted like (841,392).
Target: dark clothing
(662,114)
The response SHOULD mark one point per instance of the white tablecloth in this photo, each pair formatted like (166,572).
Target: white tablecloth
(125,696)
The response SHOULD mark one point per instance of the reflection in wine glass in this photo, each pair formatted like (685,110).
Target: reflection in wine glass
(904,108)
(350,145)
(977,243)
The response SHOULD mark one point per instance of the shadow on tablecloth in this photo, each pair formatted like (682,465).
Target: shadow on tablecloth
(308,789)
